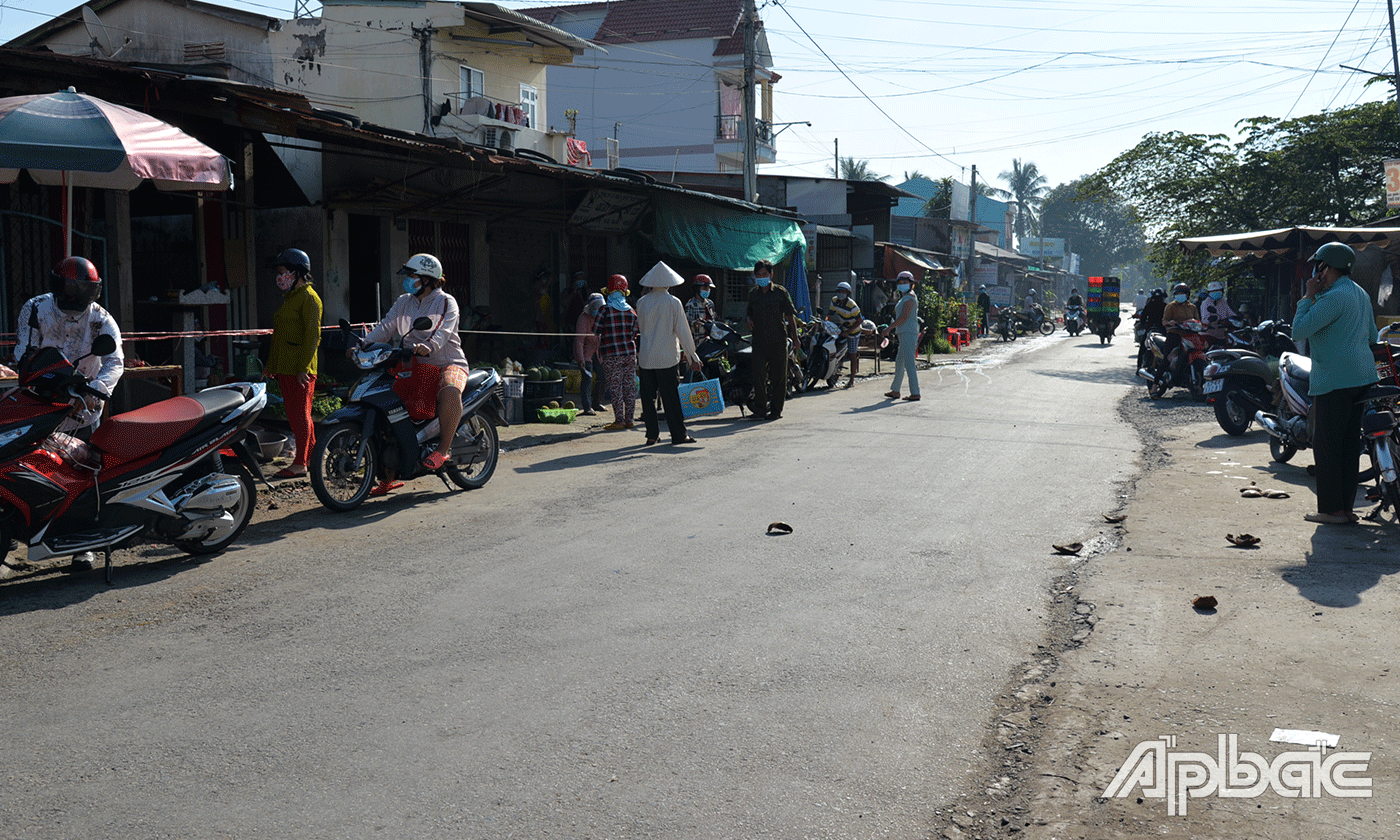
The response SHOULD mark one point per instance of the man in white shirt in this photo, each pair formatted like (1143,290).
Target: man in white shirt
(665,333)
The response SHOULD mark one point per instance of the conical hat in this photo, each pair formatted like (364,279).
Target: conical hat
(661,276)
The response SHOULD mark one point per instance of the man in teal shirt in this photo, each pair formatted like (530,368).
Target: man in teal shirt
(1336,318)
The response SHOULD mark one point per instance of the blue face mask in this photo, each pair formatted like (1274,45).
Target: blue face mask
(1216,295)
(704,293)
(762,282)
(1181,298)
(618,301)
(410,285)
(903,287)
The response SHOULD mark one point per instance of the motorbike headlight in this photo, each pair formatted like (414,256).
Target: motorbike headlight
(1212,369)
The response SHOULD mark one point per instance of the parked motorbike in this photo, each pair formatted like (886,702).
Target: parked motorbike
(1183,368)
(1289,431)
(389,424)
(726,356)
(1074,320)
(1240,381)
(179,470)
(1005,324)
(826,353)
(1144,356)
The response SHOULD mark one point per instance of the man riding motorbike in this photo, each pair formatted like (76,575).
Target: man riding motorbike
(1178,312)
(439,346)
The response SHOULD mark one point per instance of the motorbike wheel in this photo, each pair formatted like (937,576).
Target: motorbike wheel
(1158,387)
(797,378)
(483,465)
(1280,451)
(1232,412)
(1390,490)
(338,483)
(242,514)
(1047,327)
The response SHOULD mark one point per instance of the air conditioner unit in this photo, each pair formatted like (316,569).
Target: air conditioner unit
(498,138)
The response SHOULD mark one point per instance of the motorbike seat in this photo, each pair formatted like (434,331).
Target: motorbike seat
(159,425)
(1379,392)
(1296,367)
(475,380)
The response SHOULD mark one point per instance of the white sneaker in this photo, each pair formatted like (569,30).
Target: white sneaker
(83,561)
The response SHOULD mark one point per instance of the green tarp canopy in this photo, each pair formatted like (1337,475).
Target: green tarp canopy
(721,237)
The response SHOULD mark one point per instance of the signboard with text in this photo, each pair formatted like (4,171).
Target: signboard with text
(1392,183)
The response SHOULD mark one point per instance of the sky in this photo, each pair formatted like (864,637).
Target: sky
(940,87)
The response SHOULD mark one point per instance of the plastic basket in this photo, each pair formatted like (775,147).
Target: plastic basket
(514,386)
(1385,364)
(556,415)
(549,389)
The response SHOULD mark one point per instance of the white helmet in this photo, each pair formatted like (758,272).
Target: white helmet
(843,286)
(425,265)
(1217,286)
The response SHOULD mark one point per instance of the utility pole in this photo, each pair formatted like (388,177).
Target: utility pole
(836,161)
(1394,56)
(750,128)
(972,230)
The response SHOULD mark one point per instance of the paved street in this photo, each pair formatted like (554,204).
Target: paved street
(601,643)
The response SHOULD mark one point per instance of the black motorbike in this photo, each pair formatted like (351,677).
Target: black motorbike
(1034,320)
(388,425)
(1005,324)
(1240,382)
(1104,326)
(1074,319)
(725,355)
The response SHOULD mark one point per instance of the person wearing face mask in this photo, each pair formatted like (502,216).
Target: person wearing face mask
(440,346)
(586,350)
(1215,311)
(616,326)
(69,318)
(578,296)
(700,309)
(845,312)
(906,326)
(1178,311)
(296,333)
(773,321)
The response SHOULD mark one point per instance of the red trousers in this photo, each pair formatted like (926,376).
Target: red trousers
(296,399)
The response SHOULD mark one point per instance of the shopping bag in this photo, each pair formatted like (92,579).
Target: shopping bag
(701,399)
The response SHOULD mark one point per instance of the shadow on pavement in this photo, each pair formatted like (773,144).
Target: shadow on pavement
(1345,561)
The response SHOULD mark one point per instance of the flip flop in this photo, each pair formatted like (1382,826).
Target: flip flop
(384,488)
(434,461)
(288,472)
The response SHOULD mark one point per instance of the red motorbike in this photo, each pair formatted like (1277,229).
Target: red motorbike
(179,470)
(1182,366)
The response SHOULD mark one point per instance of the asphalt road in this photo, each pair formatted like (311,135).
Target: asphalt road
(603,642)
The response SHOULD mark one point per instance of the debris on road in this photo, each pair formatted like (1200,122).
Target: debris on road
(1068,548)
(1204,602)
(779,528)
(1242,540)
(1114,518)
(1306,737)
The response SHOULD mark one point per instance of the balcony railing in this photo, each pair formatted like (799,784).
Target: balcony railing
(732,128)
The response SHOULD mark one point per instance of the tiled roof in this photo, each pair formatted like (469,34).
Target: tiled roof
(638,21)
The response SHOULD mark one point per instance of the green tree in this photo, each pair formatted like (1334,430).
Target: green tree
(1027,188)
(915,176)
(1319,169)
(856,170)
(1105,233)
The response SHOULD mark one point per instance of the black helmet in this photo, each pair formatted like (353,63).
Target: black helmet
(1181,289)
(1159,292)
(296,260)
(75,284)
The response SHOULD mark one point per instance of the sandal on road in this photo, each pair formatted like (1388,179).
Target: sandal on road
(384,488)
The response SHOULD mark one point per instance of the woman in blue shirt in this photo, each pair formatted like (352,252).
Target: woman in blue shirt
(1336,318)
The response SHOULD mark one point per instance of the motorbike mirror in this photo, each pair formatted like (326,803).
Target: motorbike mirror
(422,322)
(103,345)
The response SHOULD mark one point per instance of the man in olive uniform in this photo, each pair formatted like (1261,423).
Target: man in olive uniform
(772,320)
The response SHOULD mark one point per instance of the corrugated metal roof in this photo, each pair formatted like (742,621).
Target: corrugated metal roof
(640,21)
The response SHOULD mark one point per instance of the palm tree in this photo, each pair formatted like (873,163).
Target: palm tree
(916,175)
(856,170)
(1028,189)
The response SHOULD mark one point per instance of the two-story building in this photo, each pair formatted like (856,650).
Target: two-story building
(663,84)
